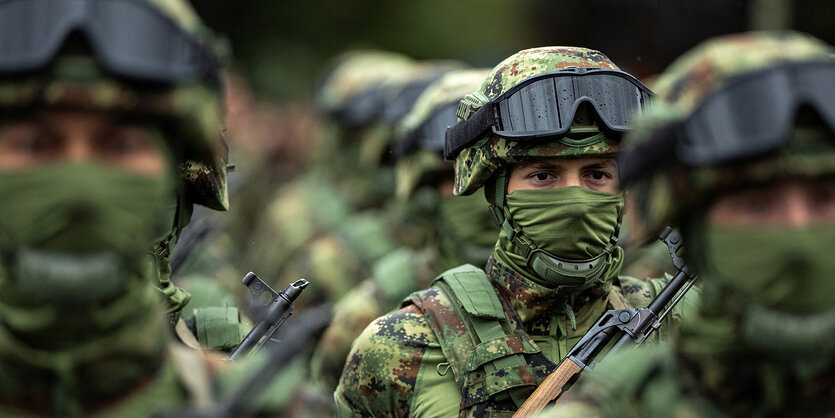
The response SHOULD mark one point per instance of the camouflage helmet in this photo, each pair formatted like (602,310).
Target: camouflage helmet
(475,164)
(190,109)
(351,89)
(420,134)
(398,94)
(663,192)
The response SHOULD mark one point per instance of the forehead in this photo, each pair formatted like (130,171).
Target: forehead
(57,117)
(564,162)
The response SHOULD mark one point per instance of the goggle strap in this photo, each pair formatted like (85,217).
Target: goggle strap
(494,192)
(469,131)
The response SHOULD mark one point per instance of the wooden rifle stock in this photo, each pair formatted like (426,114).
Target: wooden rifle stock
(550,388)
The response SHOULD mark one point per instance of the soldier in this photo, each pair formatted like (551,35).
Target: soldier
(110,131)
(463,229)
(478,343)
(739,152)
(311,227)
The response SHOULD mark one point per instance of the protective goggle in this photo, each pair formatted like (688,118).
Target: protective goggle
(129,38)
(398,106)
(430,134)
(544,106)
(751,115)
(361,109)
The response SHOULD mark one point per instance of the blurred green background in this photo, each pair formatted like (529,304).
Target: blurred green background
(281,46)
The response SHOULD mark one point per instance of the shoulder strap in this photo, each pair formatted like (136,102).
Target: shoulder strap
(474,291)
(488,357)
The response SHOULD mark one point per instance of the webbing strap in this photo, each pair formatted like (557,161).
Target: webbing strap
(474,291)
(489,330)
(471,287)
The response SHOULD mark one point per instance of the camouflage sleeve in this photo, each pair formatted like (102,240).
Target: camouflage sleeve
(382,370)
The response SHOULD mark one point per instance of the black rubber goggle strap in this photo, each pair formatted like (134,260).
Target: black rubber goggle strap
(463,134)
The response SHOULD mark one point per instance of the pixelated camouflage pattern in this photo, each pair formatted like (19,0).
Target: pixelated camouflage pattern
(475,164)
(682,87)
(530,62)
(395,276)
(401,350)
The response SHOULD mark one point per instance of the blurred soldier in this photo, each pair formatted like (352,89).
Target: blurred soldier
(110,131)
(328,225)
(739,151)
(540,136)
(315,203)
(463,230)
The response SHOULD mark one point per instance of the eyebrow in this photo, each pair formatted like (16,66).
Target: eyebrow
(541,165)
(606,163)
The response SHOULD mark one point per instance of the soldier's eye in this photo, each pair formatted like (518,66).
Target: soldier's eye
(27,140)
(125,142)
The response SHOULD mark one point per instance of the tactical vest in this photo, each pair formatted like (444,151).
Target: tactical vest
(496,365)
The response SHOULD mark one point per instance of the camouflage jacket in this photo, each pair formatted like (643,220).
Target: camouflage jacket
(395,276)
(399,366)
(665,380)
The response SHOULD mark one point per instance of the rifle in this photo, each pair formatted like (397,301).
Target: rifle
(242,403)
(636,325)
(273,313)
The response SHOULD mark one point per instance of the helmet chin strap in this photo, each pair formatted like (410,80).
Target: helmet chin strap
(574,276)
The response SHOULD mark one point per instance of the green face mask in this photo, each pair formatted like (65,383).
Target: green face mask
(573,231)
(780,281)
(73,233)
(788,269)
(468,233)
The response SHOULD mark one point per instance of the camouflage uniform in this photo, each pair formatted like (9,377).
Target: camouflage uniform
(68,350)
(478,342)
(741,355)
(405,270)
(320,226)
(334,222)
